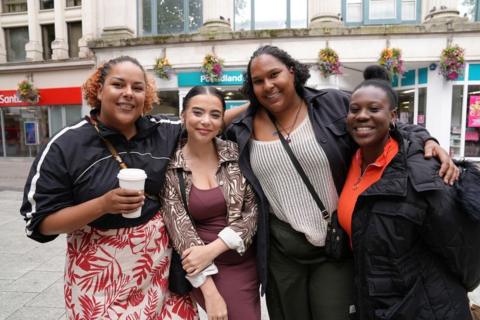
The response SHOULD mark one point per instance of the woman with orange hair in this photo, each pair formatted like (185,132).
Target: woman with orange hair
(116,267)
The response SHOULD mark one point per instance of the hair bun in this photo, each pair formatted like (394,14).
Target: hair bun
(376,72)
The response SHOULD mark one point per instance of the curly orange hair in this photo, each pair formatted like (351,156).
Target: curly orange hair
(93,84)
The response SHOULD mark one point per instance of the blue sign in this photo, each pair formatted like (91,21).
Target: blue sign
(234,103)
(31,132)
(196,78)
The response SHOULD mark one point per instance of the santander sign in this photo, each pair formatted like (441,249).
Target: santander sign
(9,99)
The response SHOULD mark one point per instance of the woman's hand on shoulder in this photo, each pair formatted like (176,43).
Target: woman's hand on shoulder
(121,200)
(448,170)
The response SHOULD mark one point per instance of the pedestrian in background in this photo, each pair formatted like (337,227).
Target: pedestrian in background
(415,249)
(301,282)
(213,226)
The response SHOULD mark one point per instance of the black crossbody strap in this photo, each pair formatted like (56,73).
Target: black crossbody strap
(117,157)
(181,184)
(303,175)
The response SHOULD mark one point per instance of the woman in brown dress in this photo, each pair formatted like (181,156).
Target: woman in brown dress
(215,235)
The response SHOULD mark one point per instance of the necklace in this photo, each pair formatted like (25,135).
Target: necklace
(289,129)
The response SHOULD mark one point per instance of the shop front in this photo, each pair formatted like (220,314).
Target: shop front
(465,121)
(230,83)
(411,88)
(25,127)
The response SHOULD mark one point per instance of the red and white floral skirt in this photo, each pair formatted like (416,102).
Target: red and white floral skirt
(122,274)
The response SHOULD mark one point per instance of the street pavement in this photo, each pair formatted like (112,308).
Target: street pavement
(31,273)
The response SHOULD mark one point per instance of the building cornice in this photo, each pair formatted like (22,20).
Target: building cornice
(447,26)
(50,65)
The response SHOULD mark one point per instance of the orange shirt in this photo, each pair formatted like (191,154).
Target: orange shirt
(357,182)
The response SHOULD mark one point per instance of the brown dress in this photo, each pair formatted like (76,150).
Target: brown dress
(236,279)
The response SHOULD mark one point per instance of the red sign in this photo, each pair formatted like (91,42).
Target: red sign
(48,97)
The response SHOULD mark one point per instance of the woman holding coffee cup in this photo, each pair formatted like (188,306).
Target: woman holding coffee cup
(116,266)
(211,214)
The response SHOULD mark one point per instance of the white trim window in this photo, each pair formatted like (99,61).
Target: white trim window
(354,11)
(381,11)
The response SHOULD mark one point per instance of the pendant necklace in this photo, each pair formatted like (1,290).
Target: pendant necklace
(287,136)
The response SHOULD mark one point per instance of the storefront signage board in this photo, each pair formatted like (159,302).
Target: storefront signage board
(196,78)
(48,97)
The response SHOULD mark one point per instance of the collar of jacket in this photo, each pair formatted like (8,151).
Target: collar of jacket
(408,165)
(247,118)
(145,126)
(227,152)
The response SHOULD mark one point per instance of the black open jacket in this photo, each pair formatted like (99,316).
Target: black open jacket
(75,166)
(327,110)
(416,252)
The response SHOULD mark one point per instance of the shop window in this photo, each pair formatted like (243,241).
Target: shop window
(168,103)
(472,130)
(74,34)
(46,4)
(10,6)
(381,11)
(74,3)
(422,107)
(406,106)
(234,98)
(48,36)
(62,116)
(258,14)
(25,129)
(169,16)
(15,41)
(456,122)
(470,145)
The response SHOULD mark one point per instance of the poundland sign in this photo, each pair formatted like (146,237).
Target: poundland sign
(190,79)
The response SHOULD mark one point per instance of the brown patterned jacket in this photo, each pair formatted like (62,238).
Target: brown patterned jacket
(240,199)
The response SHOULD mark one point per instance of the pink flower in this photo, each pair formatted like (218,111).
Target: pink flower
(217,69)
(453,75)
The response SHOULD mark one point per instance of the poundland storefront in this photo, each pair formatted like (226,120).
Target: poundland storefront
(25,127)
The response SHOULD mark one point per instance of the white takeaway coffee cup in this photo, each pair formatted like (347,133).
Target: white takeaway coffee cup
(132,179)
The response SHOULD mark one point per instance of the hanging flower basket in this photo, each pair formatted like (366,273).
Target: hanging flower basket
(212,68)
(452,62)
(26,92)
(391,59)
(163,69)
(328,62)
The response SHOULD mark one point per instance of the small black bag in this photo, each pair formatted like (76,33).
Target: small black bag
(177,282)
(336,242)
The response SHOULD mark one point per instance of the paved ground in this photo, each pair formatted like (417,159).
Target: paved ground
(31,274)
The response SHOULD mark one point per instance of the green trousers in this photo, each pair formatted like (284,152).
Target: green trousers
(303,284)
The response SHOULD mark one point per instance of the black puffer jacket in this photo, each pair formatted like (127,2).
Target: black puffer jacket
(416,251)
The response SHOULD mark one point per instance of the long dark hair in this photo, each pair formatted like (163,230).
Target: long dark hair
(300,71)
(198,90)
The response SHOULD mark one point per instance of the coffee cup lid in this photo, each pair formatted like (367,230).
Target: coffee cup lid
(132,174)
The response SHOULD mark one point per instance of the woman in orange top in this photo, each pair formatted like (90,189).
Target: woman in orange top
(415,250)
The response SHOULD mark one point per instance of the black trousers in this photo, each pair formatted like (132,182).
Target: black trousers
(304,284)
